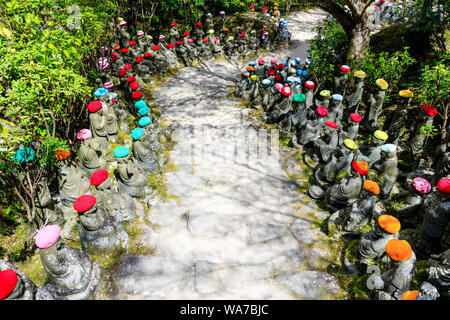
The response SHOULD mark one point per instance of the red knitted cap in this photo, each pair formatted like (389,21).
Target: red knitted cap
(8,280)
(94,106)
(98,177)
(84,203)
(136,94)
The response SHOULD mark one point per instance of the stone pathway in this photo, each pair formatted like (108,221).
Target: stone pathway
(237,229)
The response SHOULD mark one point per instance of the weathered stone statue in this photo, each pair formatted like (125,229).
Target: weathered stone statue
(99,122)
(282,108)
(398,119)
(130,175)
(98,232)
(354,99)
(335,111)
(297,118)
(340,82)
(387,168)
(435,220)
(324,100)
(417,140)
(205,50)
(120,207)
(123,34)
(375,106)
(309,94)
(253,41)
(338,164)
(352,219)
(439,270)
(328,142)
(73,183)
(399,272)
(351,131)
(209,25)
(372,153)
(348,188)
(265,41)
(15,285)
(198,33)
(142,151)
(90,156)
(373,243)
(70,273)
(174,34)
(312,129)
(243,85)
(415,194)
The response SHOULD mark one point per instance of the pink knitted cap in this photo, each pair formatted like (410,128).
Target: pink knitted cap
(47,236)
(422,185)
(84,134)
(278,86)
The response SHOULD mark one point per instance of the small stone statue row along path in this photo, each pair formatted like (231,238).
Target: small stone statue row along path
(238,228)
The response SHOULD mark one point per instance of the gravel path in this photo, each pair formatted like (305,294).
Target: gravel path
(237,229)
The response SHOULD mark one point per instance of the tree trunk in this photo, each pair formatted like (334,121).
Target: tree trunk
(359,41)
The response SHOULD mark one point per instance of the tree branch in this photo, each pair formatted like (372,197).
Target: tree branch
(344,19)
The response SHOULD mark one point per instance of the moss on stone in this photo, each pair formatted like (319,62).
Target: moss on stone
(33,269)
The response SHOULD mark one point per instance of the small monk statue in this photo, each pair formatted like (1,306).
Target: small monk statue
(439,269)
(340,81)
(348,188)
(70,273)
(397,277)
(15,285)
(90,156)
(351,220)
(375,106)
(387,167)
(120,207)
(98,232)
(372,153)
(130,175)
(397,121)
(435,220)
(142,151)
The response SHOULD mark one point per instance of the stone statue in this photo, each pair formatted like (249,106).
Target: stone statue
(375,106)
(130,175)
(373,243)
(340,81)
(387,168)
(399,272)
(354,99)
(327,143)
(348,188)
(98,232)
(73,183)
(324,99)
(310,132)
(90,156)
(174,34)
(352,219)
(417,139)
(24,288)
(439,269)
(142,150)
(435,222)
(70,272)
(350,132)
(209,25)
(124,35)
(335,110)
(46,210)
(372,153)
(398,119)
(198,33)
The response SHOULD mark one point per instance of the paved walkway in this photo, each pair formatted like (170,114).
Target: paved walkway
(237,230)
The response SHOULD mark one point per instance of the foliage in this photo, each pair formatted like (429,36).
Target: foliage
(327,51)
(389,67)
(43,86)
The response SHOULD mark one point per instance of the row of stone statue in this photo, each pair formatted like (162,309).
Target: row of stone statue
(200,44)
(328,133)
(96,195)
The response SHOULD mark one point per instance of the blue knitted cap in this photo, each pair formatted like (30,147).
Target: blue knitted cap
(336,97)
(144,121)
(121,152)
(143,111)
(100,92)
(141,103)
(137,133)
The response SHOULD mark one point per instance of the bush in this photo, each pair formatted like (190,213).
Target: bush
(327,51)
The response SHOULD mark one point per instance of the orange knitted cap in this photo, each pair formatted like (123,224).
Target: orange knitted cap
(410,295)
(361,167)
(389,223)
(372,186)
(398,250)
(249,68)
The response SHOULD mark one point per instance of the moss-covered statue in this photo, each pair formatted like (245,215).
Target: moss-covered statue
(70,274)
(352,219)
(354,99)
(396,122)
(130,175)
(399,272)
(435,220)
(387,169)
(417,139)
(15,285)
(98,232)
(372,153)
(341,80)
(370,123)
